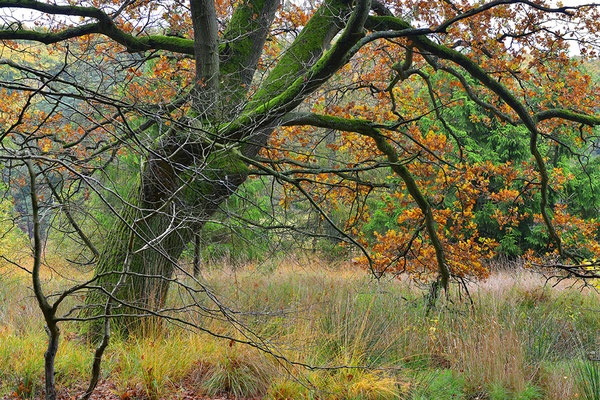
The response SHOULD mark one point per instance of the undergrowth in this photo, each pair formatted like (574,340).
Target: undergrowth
(514,339)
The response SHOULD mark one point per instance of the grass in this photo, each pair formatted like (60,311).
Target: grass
(518,340)
(587,375)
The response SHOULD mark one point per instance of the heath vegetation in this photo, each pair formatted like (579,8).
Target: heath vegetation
(167,165)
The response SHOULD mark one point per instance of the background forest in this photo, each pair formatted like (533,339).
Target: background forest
(335,200)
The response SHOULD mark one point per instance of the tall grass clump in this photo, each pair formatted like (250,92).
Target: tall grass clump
(239,373)
(21,364)
(587,376)
(490,352)
(154,364)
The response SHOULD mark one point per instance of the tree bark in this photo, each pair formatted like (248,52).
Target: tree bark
(192,171)
(160,218)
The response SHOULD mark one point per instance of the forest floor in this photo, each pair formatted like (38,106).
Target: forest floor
(338,334)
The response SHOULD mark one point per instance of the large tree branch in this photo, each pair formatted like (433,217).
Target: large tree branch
(367,128)
(243,45)
(477,72)
(206,48)
(104,25)
(304,52)
(55,9)
(568,115)
(263,111)
(443,27)
(132,43)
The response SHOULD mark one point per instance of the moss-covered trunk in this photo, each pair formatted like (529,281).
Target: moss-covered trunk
(144,250)
(157,222)
(190,172)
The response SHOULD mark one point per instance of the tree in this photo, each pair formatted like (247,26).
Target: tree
(208,93)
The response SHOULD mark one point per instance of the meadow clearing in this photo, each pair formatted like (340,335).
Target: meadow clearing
(336,332)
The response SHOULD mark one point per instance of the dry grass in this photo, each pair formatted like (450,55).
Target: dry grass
(517,340)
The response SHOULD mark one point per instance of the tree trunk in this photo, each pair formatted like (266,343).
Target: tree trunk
(191,172)
(159,220)
(49,358)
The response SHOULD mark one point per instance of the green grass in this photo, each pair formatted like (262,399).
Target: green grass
(587,375)
(518,340)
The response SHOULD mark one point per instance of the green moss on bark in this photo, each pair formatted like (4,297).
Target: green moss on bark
(305,50)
